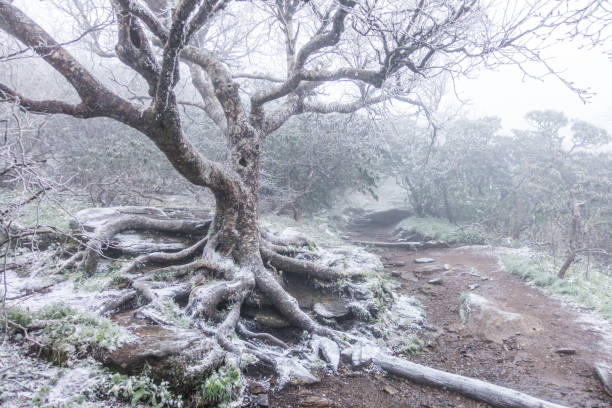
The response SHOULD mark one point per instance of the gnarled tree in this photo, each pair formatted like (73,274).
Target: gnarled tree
(337,56)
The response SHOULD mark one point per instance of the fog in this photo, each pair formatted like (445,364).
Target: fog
(330,203)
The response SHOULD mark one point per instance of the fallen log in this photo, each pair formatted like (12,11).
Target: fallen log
(492,394)
(411,246)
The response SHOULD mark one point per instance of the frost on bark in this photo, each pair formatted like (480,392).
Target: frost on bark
(393,52)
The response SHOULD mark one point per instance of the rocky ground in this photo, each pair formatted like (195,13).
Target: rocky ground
(514,335)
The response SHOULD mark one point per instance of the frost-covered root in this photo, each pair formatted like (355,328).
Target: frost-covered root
(298,266)
(243,331)
(288,250)
(204,300)
(101,237)
(179,271)
(287,305)
(163,258)
(296,240)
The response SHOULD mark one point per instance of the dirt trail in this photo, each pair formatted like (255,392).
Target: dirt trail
(527,361)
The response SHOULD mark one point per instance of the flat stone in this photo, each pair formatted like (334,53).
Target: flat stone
(314,401)
(390,390)
(566,351)
(409,276)
(395,264)
(603,371)
(330,310)
(261,400)
(424,260)
(474,286)
(436,281)
(428,269)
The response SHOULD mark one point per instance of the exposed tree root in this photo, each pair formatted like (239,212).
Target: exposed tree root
(163,258)
(118,303)
(217,286)
(101,237)
(308,268)
(243,331)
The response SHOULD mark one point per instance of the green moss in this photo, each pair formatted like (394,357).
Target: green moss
(18,316)
(411,344)
(222,387)
(137,390)
(162,276)
(70,334)
(41,395)
(172,312)
(442,230)
(541,270)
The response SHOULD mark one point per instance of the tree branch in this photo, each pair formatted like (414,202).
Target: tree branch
(93,94)
(45,106)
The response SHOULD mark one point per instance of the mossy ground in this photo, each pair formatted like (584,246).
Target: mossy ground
(592,291)
(442,230)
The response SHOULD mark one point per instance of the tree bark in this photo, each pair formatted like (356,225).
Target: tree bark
(573,237)
(490,393)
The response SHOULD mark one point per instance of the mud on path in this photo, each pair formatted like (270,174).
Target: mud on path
(527,361)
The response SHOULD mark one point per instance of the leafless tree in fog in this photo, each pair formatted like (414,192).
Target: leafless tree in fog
(254,65)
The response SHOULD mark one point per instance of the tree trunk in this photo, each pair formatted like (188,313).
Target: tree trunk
(573,237)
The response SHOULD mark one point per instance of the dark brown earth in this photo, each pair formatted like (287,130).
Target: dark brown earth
(526,361)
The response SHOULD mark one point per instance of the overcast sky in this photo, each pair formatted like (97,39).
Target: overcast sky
(507,94)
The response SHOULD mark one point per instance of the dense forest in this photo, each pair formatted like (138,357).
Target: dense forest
(268,203)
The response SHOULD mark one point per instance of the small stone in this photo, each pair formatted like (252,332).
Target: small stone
(424,260)
(261,400)
(409,276)
(329,350)
(436,281)
(346,354)
(446,267)
(566,351)
(316,402)
(256,388)
(474,286)
(395,264)
(396,273)
(391,390)
(330,311)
